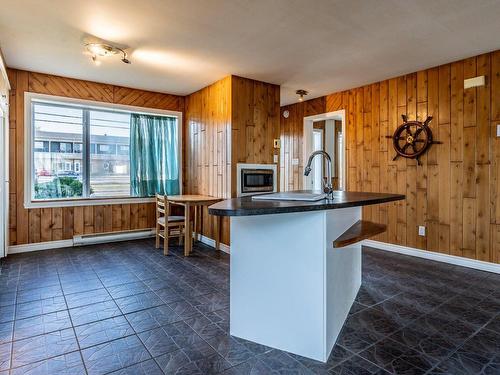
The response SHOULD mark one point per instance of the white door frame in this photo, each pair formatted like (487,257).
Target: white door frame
(4,158)
(4,177)
(308,142)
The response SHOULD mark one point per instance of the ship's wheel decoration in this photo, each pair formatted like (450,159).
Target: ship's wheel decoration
(412,138)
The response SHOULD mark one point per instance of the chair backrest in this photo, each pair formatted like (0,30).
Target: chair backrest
(161,205)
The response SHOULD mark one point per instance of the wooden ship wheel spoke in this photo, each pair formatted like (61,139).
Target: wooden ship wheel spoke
(412,138)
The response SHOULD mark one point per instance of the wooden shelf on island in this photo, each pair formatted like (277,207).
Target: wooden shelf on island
(361,230)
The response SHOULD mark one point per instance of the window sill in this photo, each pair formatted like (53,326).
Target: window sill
(85,202)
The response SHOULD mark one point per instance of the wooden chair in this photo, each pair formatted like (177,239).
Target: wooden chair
(166,225)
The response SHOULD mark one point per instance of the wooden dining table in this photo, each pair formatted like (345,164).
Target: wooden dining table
(196,201)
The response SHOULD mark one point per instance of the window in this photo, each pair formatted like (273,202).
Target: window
(81,151)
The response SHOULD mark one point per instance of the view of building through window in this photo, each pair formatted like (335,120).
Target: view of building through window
(109,160)
(56,131)
(59,162)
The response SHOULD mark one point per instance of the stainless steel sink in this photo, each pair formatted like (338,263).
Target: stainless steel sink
(291,196)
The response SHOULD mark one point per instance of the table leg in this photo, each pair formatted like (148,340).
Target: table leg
(195,229)
(217,232)
(188,235)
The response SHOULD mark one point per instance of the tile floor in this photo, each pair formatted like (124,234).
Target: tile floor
(124,308)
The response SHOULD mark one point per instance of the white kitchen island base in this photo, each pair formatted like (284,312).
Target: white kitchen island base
(290,289)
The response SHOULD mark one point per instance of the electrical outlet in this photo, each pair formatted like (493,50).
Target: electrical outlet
(295,161)
(421,230)
(275,158)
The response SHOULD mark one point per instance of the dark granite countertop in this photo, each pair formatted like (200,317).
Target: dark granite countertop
(245,206)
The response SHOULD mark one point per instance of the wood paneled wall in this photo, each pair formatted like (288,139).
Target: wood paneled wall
(48,224)
(455,193)
(208,147)
(231,121)
(255,123)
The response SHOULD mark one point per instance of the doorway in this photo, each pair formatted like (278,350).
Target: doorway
(325,132)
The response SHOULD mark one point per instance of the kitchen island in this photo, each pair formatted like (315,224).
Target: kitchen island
(296,268)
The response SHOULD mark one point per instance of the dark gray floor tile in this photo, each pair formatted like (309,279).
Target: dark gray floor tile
(397,358)
(37,282)
(6,332)
(152,318)
(231,350)
(7,313)
(41,324)
(92,313)
(118,279)
(67,364)
(168,295)
(337,356)
(184,309)
(148,367)
(87,298)
(102,331)
(177,362)
(38,294)
(494,325)
(359,366)
(138,302)
(5,353)
(114,355)
(126,290)
(205,327)
(42,347)
(158,341)
(282,363)
(210,302)
(78,286)
(182,334)
(40,307)
(7,298)
(156,283)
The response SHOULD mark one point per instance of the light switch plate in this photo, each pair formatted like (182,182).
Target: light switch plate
(421,230)
(275,158)
(295,161)
(498,130)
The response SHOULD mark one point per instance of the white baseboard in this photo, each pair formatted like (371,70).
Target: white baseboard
(98,238)
(26,248)
(438,257)
(211,242)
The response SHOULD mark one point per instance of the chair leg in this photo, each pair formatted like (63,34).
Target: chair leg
(157,244)
(165,241)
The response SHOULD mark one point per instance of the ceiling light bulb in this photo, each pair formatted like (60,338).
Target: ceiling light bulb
(301,94)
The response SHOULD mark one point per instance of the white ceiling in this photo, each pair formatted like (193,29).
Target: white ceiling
(181,46)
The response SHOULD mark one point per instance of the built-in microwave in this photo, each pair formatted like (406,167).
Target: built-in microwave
(255,179)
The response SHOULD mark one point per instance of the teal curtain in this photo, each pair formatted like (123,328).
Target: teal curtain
(154,162)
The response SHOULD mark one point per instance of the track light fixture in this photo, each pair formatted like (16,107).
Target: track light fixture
(102,50)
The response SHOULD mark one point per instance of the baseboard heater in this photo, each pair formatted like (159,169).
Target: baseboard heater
(96,238)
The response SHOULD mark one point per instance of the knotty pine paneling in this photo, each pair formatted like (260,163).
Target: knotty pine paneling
(208,147)
(255,112)
(232,121)
(50,224)
(455,193)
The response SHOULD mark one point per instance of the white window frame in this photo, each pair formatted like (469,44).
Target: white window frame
(29,202)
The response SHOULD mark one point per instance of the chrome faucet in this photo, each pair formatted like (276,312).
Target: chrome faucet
(327,187)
